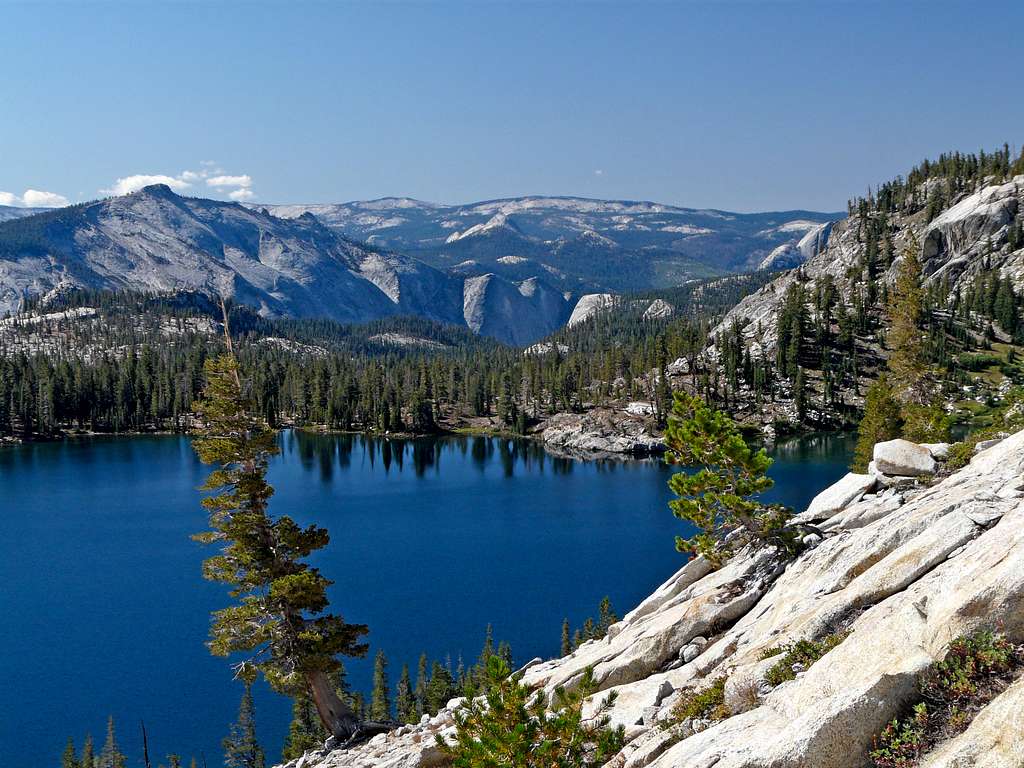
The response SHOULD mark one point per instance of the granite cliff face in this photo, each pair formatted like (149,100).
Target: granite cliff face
(901,567)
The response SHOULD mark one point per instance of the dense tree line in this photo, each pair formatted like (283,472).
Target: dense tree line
(137,365)
(933,184)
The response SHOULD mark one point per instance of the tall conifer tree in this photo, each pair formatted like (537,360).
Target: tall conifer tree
(241,748)
(280,617)
(380,699)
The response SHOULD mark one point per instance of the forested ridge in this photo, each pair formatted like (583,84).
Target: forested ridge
(116,362)
(826,336)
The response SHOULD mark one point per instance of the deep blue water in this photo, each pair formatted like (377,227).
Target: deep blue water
(104,610)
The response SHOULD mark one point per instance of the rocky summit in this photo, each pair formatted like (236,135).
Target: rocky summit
(897,570)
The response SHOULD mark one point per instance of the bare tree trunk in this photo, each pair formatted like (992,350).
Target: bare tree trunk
(337,716)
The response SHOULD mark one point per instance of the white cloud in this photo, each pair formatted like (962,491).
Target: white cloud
(236,187)
(599,172)
(244,181)
(124,186)
(34,198)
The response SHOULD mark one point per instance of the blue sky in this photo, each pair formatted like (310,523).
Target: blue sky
(759,106)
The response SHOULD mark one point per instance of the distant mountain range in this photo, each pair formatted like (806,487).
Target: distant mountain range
(8,212)
(578,244)
(510,269)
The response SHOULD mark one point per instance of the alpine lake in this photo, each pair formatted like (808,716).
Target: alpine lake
(105,611)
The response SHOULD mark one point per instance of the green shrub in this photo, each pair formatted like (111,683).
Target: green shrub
(969,660)
(513,726)
(902,743)
(705,704)
(804,652)
(954,688)
(978,361)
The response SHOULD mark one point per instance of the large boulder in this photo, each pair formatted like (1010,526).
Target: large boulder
(902,457)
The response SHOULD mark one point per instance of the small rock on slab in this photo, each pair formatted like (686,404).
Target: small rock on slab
(984,445)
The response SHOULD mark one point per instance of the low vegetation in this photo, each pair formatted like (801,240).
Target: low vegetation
(514,725)
(704,704)
(801,652)
(977,667)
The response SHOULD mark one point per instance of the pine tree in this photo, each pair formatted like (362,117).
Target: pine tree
(566,642)
(241,748)
(421,686)
(68,759)
(440,689)
(405,700)
(88,757)
(605,616)
(882,421)
(722,496)
(800,394)
(906,363)
(280,615)
(380,699)
(110,756)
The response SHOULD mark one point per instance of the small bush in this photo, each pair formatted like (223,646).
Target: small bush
(804,652)
(902,743)
(968,661)
(976,668)
(705,704)
(514,725)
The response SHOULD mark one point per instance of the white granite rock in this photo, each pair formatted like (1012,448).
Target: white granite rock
(902,457)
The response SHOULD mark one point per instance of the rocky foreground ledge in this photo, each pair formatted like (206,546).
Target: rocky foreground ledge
(904,564)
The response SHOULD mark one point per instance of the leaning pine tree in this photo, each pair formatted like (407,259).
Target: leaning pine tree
(279,619)
(721,496)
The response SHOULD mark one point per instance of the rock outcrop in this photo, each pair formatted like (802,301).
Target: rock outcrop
(895,575)
(603,431)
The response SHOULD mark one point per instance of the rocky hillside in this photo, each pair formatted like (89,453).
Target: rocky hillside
(156,240)
(971,234)
(579,244)
(903,564)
